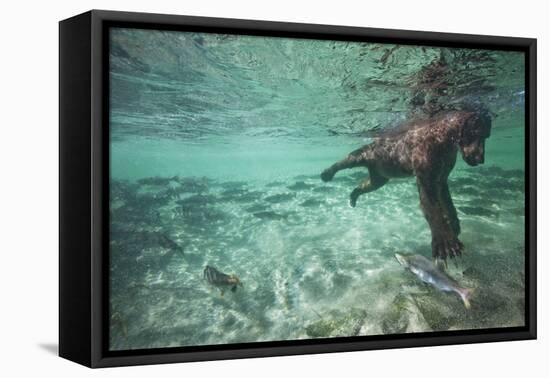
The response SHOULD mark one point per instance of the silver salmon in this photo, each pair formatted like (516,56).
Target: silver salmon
(428,272)
(221,280)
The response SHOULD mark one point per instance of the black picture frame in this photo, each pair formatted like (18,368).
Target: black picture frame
(83,182)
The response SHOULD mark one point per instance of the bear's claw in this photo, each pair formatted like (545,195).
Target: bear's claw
(447,247)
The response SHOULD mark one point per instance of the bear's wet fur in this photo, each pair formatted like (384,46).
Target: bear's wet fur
(425,148)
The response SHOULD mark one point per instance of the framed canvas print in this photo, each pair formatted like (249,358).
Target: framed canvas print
(233,188)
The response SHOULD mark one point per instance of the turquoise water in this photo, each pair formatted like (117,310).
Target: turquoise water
(217,144)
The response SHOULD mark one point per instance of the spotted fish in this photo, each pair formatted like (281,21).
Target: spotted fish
(221,280)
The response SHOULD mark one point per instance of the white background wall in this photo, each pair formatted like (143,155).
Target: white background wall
(29,174)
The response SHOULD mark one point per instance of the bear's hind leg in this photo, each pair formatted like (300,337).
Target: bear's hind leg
(375,181)
(357,158)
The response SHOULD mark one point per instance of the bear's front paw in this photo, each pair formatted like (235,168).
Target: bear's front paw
(446,247)
(327,175)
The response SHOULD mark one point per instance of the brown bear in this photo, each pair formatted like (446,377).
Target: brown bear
(425,148)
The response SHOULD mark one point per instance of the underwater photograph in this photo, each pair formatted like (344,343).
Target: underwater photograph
(277,189)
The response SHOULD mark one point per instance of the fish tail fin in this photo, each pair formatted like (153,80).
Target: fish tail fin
(465,295)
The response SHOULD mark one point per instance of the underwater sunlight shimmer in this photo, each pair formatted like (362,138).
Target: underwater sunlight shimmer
(222,230)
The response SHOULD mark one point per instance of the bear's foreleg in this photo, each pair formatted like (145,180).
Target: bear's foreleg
(445,241)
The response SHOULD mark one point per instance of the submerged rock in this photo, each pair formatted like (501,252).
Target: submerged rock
(155,181)
(274,184)
(520,303)
(396,319)
(456,182)
(198,200)
(472,272)
(134,252)
(258,207)
(312,203)
(324,189)
(498,172)
(194,185)
(300,185)
(237,191)
(270,215)
(439,314)
(479,211)
(200,217)
(337,324)
(122,190)
(305,177)
(490,300)
(466,190)
(233,184)
(277,198)
(199,211)
(240,195)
